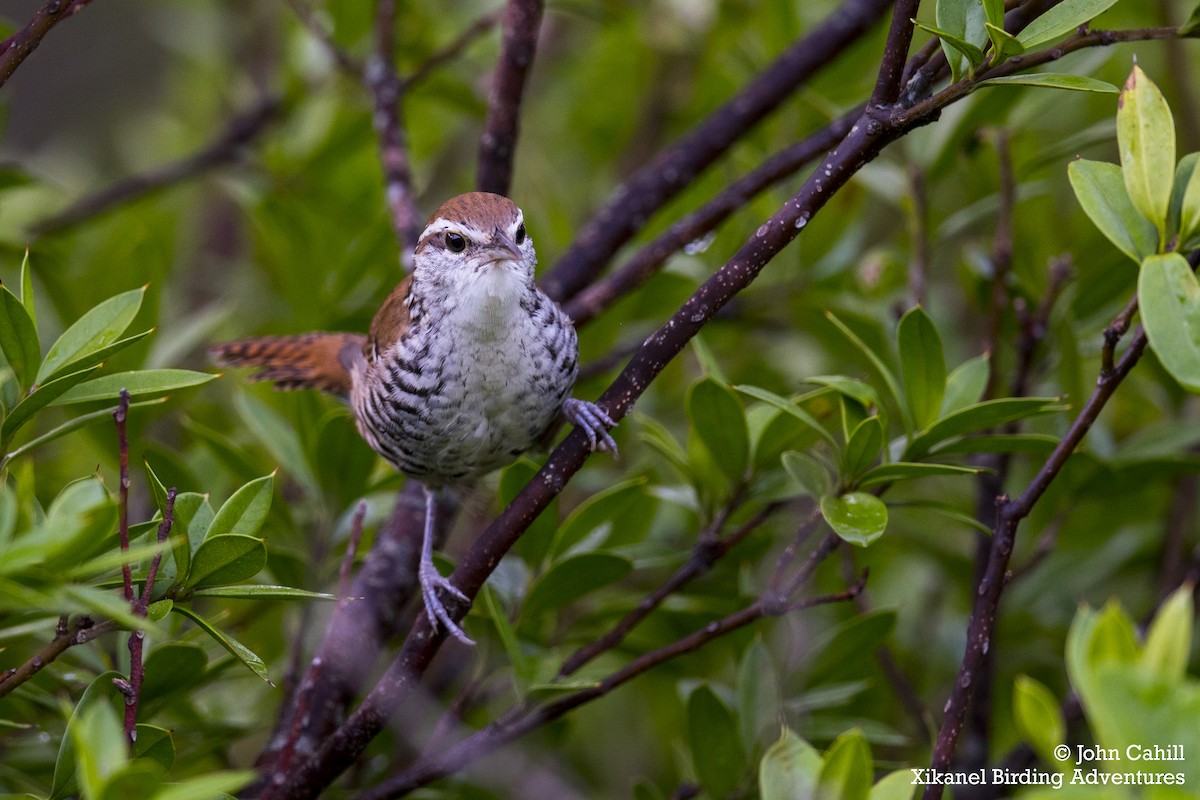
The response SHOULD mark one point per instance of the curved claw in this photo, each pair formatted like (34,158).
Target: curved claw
(431,580)
(594,421)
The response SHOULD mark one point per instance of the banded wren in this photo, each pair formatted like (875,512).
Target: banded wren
(464,368)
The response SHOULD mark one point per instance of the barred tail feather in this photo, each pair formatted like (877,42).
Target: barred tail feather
(308,361)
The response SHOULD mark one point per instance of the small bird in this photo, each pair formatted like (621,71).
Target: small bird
(467,364)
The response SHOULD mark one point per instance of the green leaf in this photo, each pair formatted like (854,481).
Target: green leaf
(789,770)
(808,472)
(896,785)
(18,339)
(1004,44)
(863,448)
(173,668)
(154,743)
(535,543)
(139,383)
(70,426)
(246,510)
(922,365)
(524,665)
(262,592)
(855,389)
(206,787)
(1193,22)
(1061,20)
(100,690)
(618,507)
(758,695)
(1100,189)
(712,736)
(981,416)
(1038,717)
(99,356)
(235,648)
(964,55)
(783,404)
(1169,296)
(280,439)
(98,328)
(857,517)
(910,470)
(1168,641)
(993,11)
(719,421)
(885,374)
(708,362)
(27,290)
(226,559)
(38,399)
(1185,200)
(966,384)
(847,770)
(1053,80)
(1146,138)
(157,612)
(572,578)
(960,28)
(99,748)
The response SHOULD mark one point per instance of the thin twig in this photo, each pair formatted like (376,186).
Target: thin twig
(226,148)
(17,47)
(120,415)
(497,145)
(308,18)
(648,189)
(84,630)
(356,531)
(481,25)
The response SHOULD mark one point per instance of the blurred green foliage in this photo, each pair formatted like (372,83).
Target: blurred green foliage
(822,381)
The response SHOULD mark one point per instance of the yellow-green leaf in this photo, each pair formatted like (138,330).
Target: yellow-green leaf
(1146,138)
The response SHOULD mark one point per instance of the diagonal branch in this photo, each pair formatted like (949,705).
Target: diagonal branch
(226,148)
(17,47)
(522,21)
(648,189)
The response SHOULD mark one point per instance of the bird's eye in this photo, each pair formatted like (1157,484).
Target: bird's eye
(520,237)
(456,242)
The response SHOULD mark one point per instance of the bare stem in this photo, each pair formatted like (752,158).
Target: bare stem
(17,47)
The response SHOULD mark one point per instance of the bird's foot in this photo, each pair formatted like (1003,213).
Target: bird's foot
(594,421)
(431,580)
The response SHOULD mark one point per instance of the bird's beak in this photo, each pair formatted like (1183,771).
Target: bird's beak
(504,248)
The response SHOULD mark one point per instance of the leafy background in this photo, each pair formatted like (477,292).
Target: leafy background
(292,233)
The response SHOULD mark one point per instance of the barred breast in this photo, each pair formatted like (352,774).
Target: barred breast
(463,394)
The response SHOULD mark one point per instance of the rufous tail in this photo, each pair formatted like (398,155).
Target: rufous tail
(308,361)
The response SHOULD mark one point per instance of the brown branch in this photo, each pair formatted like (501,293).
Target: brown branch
(84,630)
(517,723)
(895,54)
(480,26)
(597,297)
(120,415)
(648,189)
(226,148)
(710,547)
(385,87)
(17,47)
(497,145)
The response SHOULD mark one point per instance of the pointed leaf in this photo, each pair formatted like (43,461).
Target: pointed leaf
(18,339)
(73,425)
(960,28)
(910,470)
(98,691)
(99,327)
(98,356)
(789,769)
(27,289)
(808,472)
(966,384)
(1168,641)
(712,736)
(783,404)
(1146,138)
(1004,44)
(38,399)
(981,416)
(922,365)
(246,510)
(1100,189)
(884,373)
(864,447)
(1185,199)
(235,648)
(572,578)
(847,770)
(1038,718)
(262,592)
(1053,80)
(1169,296)
(226,559)
(857,517)
(139,383)
(720,422)
(1061,20)
(596,518)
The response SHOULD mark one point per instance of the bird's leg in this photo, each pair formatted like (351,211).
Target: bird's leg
(431,580)
(594,421)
